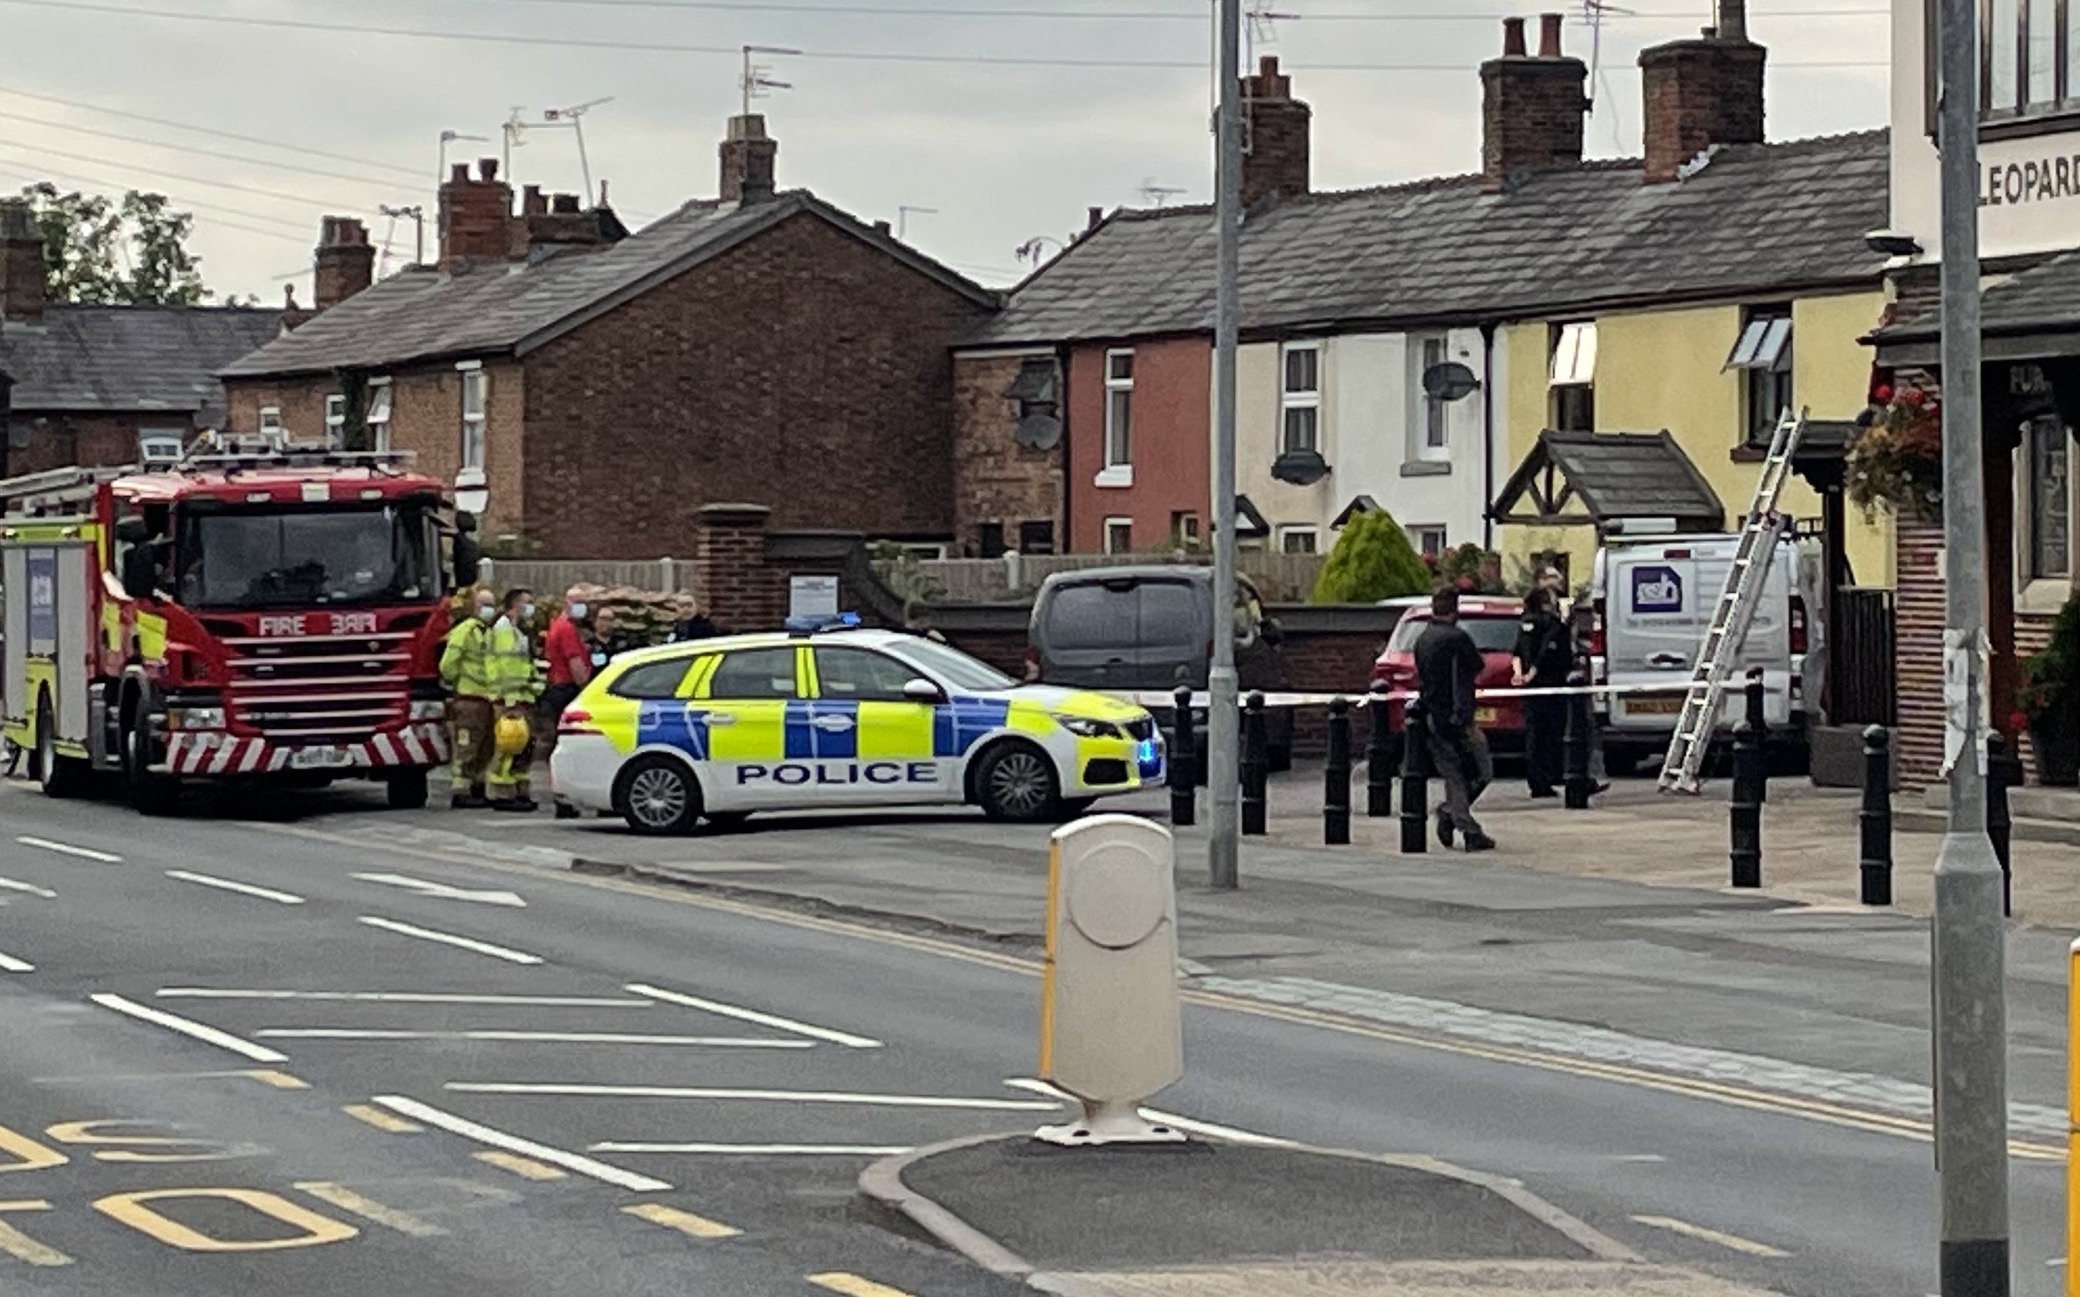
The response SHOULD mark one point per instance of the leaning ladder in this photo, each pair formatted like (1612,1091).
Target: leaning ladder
(1734,612)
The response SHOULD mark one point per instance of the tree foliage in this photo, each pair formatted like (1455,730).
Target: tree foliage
(1372,560)
(129,251)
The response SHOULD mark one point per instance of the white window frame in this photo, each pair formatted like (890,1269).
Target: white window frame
(1287,534)
(1113,523)
(2030,498)
(1427,414)
(1118,450)
(381,405)
(1421,535)
(1291,400)
(336,420)
(474,380)
(1184,527)
(1763,353)
(1574,355)
(147,438)
(270,420)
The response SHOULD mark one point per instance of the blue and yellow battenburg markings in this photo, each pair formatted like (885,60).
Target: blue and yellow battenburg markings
(848,730)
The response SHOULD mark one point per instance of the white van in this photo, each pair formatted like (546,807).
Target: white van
(1652,599)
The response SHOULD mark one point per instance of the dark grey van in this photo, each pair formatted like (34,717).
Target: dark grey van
(1151,627)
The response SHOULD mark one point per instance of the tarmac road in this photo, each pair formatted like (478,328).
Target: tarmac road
(254,1056)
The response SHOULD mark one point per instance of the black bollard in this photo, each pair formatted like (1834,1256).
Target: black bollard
(1580,719)
(1876,817)
(1336,777)
(1758,719)
(1415,795)
(1255,765)
(1379,757)
(1184,762)
(2002,773)
(1746,807)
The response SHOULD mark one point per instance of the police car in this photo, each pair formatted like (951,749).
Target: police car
(723,728)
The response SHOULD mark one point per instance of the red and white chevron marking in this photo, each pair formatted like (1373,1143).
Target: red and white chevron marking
(424,744)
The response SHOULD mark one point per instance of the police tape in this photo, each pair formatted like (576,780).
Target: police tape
(1154,698)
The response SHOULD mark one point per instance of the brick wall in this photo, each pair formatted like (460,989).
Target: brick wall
(50,441)
(1170,446)
(1531,108)
(803,370)
(1278,127)
(994,478)
(1698,93)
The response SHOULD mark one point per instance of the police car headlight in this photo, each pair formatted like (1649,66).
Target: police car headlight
(1084,727)
(195,718)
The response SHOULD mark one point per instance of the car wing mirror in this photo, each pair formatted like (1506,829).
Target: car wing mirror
(923,691)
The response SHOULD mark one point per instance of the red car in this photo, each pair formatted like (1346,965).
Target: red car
(1493,621)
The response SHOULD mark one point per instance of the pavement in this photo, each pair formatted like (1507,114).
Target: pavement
(421,1052)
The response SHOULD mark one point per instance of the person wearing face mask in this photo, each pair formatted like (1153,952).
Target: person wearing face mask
(515,688)
(569,669)
(466,673)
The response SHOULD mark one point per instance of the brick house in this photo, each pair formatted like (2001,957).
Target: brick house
(86,384)
(763,346)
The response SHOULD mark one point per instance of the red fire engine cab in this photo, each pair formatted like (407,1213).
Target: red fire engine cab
(268,616)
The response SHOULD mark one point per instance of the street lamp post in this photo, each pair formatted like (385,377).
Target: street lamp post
(1223,720)
(1969,958)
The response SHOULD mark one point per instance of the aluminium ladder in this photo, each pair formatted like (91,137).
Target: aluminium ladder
(1733,613)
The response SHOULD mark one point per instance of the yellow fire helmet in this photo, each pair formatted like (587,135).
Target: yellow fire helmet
(511,735)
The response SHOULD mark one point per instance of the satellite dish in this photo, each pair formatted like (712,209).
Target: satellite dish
(1300,467)
(1450,381)
(1038,431)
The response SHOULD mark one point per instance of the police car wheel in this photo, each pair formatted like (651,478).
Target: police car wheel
(1017,782)
(657,794)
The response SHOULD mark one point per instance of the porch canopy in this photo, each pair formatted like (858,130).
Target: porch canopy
(1594,478)
(2030,316)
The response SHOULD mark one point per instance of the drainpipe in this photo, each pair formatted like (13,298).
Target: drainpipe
(1487,434)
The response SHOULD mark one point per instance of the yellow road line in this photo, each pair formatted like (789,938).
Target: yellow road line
(23,1248)
(852,1285)
(1718,1092)
(524,1167)
(369,1209)
(381,1120)
(279,1080)
(684,1221)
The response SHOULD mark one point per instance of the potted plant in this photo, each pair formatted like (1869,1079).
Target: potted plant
(1896,458)
(2050,702)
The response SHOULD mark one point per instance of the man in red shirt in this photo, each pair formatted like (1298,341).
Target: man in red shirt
(570,667)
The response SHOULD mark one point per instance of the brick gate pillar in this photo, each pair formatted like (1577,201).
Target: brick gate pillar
(731,577)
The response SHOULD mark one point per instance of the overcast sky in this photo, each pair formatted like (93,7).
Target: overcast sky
(952,114)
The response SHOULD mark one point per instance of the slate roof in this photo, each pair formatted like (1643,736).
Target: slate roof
(128,358)
(424,314)
(2042,299)
(1613,475)
(1756,217)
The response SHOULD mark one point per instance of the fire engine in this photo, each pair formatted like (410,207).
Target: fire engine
(268,614)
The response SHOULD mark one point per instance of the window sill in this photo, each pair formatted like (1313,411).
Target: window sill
(1749,454)
(1426,468)
(2011,126)
(1117,476)
(2043,595)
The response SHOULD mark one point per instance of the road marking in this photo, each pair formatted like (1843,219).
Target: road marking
(9,964)
(524,1167)
(684,1221)
(539,1037)
(65,849)
(189,1027)
(407,997)
(1732,1242)
(450,939)
(455,1125)
(443,892)
(844,1038)
(10,885)
(756,1150)
(1638,1157)
(852,1285)
(243,889)
(774,1096)
(382,1120)
(279,1080)
(264,1075)
(23,1248)
(1190,1125)
(369,1209)
(130,1209)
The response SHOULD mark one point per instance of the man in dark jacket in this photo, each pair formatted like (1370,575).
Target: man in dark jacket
(695,625)
(1543,659)
(1447,667)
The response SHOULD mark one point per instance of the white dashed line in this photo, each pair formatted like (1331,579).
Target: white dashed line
(763,1096)
(243,889)
(65,849)
(406,997)
(10,885)
(758,1150)
(1731,1242)
(455,1125)
(534,1037)
(844,1038)
(506,953)
(9,964)
(187,1027)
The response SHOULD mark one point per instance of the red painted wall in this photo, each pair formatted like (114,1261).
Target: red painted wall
(1172,434)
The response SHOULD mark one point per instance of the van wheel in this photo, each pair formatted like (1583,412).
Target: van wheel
(658,795)
(57,776)
(1016,782)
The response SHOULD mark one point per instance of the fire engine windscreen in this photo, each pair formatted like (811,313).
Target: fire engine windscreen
(278,557)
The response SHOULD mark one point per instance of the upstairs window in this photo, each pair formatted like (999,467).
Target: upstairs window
(379,414)
(2029,57)
(1572,377)
(1762,354)
(335,421)
(475,390)
(1300,398)
(1429,431)
(1119,409)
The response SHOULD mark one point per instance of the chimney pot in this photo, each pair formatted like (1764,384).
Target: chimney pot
(565,205)
(881,227)
(1549,36)
(531,201)
(459,174)
(1513,38)
(488,169)
(1093,217)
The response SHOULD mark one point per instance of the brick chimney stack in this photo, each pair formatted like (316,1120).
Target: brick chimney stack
(346,261)
(747,160)
(476,217)
(1702,92)
(1531,107)
(21,263)
(1276,160)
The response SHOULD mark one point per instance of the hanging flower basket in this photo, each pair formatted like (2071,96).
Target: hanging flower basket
(1896,459)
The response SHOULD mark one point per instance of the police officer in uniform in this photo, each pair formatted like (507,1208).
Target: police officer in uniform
(1448,665)
(1543,659)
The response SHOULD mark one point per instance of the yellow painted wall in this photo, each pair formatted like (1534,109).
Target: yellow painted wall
(1662,369)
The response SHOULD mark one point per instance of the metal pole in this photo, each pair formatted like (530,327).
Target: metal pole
(1223,751)
(1969,964)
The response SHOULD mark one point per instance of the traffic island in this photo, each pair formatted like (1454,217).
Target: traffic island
(1216,1219)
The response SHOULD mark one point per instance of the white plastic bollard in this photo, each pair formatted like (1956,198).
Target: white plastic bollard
(1111,1030)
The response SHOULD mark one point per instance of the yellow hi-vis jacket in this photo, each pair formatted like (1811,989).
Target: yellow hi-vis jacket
(466,661)
(513,678)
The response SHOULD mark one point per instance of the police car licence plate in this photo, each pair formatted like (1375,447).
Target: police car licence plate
(324,757)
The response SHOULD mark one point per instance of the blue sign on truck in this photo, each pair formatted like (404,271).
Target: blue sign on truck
(1656,589)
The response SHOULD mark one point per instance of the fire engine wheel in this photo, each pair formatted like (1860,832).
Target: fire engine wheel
(151,794)
(57,776)
(406,789)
